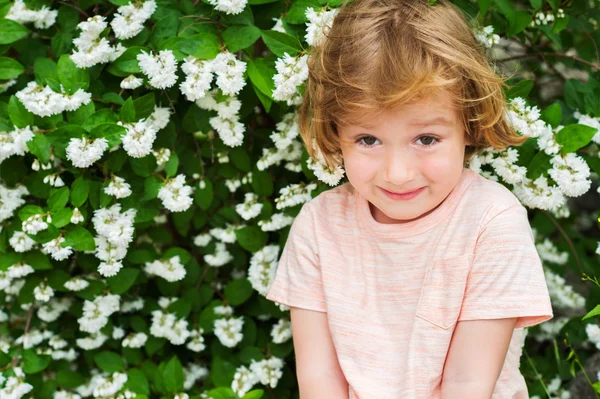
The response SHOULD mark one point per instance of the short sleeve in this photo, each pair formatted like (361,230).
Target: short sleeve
(297,281)
(507,278)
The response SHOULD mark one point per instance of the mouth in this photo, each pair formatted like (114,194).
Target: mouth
(406,195)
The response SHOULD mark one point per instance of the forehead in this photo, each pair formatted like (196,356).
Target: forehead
(428,111)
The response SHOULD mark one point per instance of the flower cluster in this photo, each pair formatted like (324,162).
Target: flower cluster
(319,23)
(115,232)
(91,48)
(43,101)
(42,18)
(15,142)
(486,36)
(170,269)
(161,68)
(228,329)
(129,19)
(263,265)
(291,73)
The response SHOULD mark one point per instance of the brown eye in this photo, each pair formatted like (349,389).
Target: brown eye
(369,140)
(428,140)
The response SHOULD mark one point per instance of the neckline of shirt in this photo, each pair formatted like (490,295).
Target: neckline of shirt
(416,226)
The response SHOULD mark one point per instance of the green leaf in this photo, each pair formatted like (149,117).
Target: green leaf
(521,89)
(173,376)
(552,115)
(539,164)
(61,43)
(254,394)
(112,132)
(204,46)
(251,238)
(44,68)
(127,63)
(137,382)
(127,113)
(11,31)
(28,211)
(19,115)
(262,182)
(58,199)
(80,239)
(152,186)
(38,260)
(592,313)
(164,29)
(172,165)
(40,147)
(71,77)
(203,196)
(239,37)
(62,217)
(221,372)
(280,43)
(10,68)
(240,159)
(144,106)
(79,191)
(297,12)
(238,291)
(69,379)
(123,280)
(9,259)
(143,166)
(261,75)
(99,117)
(573,137)
(109,362)
(34,363)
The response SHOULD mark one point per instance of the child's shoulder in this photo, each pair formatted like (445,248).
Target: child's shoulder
(488,197)
(339,197)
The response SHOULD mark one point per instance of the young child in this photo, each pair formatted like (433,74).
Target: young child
(415,279)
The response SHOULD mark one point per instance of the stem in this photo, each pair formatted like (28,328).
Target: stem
(567,239)
(537,374)
(560,55)
(578,362)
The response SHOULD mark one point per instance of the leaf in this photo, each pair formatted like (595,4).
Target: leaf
(221,372)
(137,382)
(123,280)
(34,363)
(204,46)
(99,117)
(203,196)
(239,37)
(61,43)
(165,28)
(144,106)
(18,114)
(573,137)
(80,239)
(38,260)
(127,62)
(297,12)
(539,164)
(261,76)
(254,394)
(262,182)
(592,313)
(112,132)
(58,198)
(238,291)
(62,217)
(143,166)
(71,77)
(79,191)
(109,362)
(521,89)
(552,115)
(44,68)
(172,165)
(280,43)
(251,238)
(11,31)
(40,147)
(152,186)
(173,376)
(127,113)
(10,68)
(240,159)
(28,211)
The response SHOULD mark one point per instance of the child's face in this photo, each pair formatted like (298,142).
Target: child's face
(418,146)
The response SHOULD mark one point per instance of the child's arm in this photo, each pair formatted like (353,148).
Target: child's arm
(317,367)
(475,358)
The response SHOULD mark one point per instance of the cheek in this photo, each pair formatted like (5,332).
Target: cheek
(358,166)
(443,165)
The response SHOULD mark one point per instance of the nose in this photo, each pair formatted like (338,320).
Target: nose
(399,167)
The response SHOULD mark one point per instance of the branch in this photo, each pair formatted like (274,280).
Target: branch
(560,55)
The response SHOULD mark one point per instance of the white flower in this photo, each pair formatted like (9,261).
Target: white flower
(319,23)
(250,208)
(129,19)
(277,222)
(42,18)
(220,257)
(198,78)
(15,142)
(282,331)
(269,371)
(138,139)
(91,48)
(43,292)
(96,312)
(229,130)
(131,82)
(243,380)
(486,36)
(42,101)
(110,267)
(114,226)
(56,250)
(159,118)
(263,266)
(202,240)
(135,340)
(229,6)
(196,343)
(76,284)
(176,195)
(77,217)
(230,73)
(118,187)
(525,120)
(33,224)
(229,331)
(84,152)
(21,242)
(571,173)
(170,269)
(291,72)
(539,194)
(294,194)
(161,68)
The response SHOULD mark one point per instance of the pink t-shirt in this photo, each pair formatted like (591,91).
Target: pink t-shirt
(394,292)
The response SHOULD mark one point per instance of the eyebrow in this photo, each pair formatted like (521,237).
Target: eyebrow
(439,120)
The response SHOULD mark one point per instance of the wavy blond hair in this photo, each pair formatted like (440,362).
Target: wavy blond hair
(380,54)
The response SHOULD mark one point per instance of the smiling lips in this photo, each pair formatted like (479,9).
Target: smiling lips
(402,196)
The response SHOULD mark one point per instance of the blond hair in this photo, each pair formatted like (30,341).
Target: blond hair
(380,54)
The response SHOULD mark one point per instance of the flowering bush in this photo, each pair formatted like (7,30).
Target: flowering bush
(150,168)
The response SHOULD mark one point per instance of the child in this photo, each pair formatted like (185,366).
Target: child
(415,279)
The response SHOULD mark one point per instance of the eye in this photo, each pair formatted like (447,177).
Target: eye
(366,141)
(428,141)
